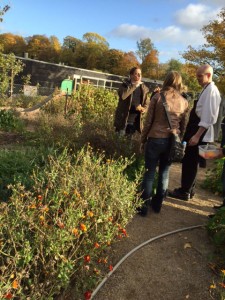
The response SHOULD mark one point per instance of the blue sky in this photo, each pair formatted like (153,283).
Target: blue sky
(171,25)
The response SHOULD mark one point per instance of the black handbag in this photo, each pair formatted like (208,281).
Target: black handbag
(177,148)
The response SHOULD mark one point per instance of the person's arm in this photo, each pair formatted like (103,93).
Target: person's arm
(148,120)
(208,109)
(194,140)
(143,108)
(126,89)
(184,121)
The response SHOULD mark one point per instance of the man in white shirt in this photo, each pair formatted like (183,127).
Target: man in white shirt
(199,131)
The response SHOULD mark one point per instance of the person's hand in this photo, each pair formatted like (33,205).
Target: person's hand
(193,140)
(136,84)
(142,147)
(140,108)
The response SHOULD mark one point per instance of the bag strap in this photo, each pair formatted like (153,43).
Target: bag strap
(166,109)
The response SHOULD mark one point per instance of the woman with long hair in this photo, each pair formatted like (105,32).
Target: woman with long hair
(155,139)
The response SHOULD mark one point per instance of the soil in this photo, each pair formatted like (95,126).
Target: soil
(173,267)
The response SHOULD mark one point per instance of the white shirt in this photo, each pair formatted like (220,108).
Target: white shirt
(207,110)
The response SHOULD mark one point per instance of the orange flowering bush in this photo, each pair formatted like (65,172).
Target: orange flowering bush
(58,230)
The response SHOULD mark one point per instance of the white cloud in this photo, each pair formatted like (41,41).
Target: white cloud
(214,2)
(175,38)
(195,16)
(130,31)
(169,35)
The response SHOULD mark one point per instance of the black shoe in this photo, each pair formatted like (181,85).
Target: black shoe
(192,195)
(156,208)
(156,204)
(142,211)
(179,194)
(219,206)
(211,216)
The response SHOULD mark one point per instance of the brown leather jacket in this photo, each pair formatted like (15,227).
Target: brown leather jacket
(125,93)
(156,124)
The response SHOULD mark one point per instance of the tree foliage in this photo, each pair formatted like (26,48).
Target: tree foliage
(213,51)
(128,61)
(9,68)
(145,46)
(92,37)
(150,65)
(13,43)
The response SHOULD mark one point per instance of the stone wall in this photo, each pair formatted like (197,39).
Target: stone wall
(51,75)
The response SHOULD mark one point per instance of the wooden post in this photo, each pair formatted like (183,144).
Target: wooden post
(66,103)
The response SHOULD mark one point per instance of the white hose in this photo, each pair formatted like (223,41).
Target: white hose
(137,248)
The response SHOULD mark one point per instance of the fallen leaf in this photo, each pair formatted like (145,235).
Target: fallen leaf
(187,245)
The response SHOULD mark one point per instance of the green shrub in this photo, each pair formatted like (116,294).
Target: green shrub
(24,101)
(216,229)
(213,180)
(9,121)
(59,229)
(16,165)
(89,120)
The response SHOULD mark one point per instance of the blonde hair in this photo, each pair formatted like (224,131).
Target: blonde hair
(173,80)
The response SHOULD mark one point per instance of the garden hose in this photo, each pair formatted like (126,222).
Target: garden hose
(37,106)
(137,248)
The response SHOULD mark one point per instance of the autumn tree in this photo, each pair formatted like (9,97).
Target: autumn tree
(150,65)
(189,77)
(54,49)
(70,51)
(43,48)
(174,65)
(127,62)
(111,60)
(212,52)
(145,46)
(92,37)
(38,47)
(13,44)
(93,49)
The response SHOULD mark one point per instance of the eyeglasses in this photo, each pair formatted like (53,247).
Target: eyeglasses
(201,75)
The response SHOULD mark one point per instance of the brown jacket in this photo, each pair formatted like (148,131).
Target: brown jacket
(125,93)
(156,124)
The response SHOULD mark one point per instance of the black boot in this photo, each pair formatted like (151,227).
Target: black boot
(180,194)
(143,210)
(156,204)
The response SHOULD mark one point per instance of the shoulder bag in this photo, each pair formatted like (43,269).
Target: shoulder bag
(177,148)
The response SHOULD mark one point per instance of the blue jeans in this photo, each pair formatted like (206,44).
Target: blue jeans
(156,154)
